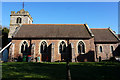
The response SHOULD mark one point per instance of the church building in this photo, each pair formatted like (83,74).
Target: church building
(58,42)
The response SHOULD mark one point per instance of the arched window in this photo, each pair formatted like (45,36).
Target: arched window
(19,20)
(62,47)
(81,47)
(111,48)
(24,47)
(43,48)
(101,49)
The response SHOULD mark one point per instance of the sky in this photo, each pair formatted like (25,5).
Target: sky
(95,14)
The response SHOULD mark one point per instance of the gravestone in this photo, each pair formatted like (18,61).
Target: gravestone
(5,55)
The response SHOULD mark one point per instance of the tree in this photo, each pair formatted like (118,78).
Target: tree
(5,32)
(0,37)
(67,62)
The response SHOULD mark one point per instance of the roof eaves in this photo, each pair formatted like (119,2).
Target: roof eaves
(106,41)
(53,37)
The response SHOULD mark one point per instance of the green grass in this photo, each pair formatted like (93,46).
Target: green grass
(57,71)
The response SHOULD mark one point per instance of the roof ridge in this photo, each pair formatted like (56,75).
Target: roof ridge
(53,24)
(98,28)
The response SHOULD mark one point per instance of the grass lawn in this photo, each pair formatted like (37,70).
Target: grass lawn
(57,71)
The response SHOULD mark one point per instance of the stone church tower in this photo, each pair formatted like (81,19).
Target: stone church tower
(17,19)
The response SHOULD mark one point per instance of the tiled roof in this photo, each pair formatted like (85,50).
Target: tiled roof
(53,31)
(104,35)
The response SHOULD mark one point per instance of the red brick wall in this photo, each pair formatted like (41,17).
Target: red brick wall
(106,53)
(17,46)
(89,46)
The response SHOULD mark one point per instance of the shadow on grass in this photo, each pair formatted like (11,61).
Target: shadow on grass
(24,79)
(95,71)
(57,71)
(44,71)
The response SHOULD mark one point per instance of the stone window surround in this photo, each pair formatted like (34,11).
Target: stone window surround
(19,20)
(47,45)
(77,46)
(40,46)
(63,45)
(21,45)
(59,45)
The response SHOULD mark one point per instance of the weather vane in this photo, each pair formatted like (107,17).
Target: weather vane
(23,5)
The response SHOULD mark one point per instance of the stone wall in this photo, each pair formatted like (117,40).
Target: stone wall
(26,19)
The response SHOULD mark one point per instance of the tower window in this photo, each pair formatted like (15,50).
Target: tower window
(19,20)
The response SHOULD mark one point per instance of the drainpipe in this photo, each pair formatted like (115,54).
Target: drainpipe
(30,46)
(96,56)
